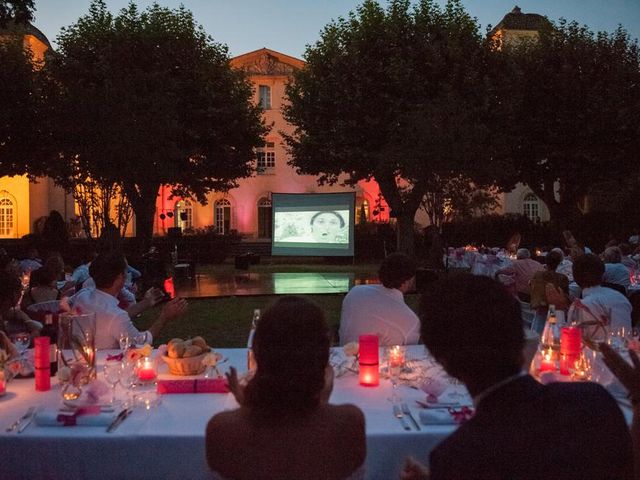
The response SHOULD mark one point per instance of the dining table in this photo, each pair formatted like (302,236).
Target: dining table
(168,440)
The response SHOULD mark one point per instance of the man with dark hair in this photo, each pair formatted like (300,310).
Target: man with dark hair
(108,271)
(598,302)
(521,428)
(380,309)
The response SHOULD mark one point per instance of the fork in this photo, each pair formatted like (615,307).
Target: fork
(400,416)
(407,412)
(24,417)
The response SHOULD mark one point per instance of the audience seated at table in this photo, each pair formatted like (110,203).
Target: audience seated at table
(42,288)
(522,269)
(614,271)
(285,428)
(549,275)
(565,266)
(598,302)
(380,309)
(521,429)
(627,256)
(108,271)
(14,320)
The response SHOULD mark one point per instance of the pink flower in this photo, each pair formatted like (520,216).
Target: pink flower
(133,355)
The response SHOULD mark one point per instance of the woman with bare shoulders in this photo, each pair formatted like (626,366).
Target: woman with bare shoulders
(285,428)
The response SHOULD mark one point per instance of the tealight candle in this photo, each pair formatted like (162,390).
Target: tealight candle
(547,364)
(369,375)
(3,385)
(146,371)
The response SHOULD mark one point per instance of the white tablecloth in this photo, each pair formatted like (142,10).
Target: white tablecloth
(168,442)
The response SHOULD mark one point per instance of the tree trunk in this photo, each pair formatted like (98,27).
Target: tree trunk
(143,202)
(405,232)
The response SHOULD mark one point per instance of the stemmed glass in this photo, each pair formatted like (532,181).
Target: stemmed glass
(112,373)
(139,340)
(125,342)
(395,362)
(21,340)
(129,380)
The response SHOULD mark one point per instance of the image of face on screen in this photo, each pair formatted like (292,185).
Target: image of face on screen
(327,226)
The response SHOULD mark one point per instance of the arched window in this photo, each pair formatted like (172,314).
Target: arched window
(264,93)
(531,207)
(184,214)
(362,211)
(265,229)
(7,216)
(223,216)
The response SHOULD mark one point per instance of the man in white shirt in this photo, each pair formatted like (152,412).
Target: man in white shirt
(380,309)
(598,303)
(108,271)
(614,271)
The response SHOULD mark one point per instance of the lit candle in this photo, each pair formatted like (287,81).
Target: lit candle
(146,371)
(396,356)
(369,375)
(547,364)
(369,360)
(3,385)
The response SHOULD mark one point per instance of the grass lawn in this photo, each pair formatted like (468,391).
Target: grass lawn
(225,321)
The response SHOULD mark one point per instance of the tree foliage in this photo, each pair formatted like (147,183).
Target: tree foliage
(396,94)
(17,11)
(571,109)
(148,99)
(22,108)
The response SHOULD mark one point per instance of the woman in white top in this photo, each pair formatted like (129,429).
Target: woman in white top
(285,428)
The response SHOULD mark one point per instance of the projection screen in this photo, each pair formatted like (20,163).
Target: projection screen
(313,224)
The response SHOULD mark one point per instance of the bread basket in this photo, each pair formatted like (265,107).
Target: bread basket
(185,366)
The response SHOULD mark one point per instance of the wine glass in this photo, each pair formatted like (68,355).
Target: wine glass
(129,380)
(139,339)
(21,340)
(395,362)
(112,373)
(125,342)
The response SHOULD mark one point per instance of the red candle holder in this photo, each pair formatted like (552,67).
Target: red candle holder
(369,359)
(570,341)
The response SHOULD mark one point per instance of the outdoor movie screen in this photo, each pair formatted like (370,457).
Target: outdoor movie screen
(313,224)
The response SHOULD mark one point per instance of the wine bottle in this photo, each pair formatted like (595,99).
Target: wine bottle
(251,361)
(49,330)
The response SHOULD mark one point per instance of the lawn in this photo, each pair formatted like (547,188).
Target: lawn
(225,321)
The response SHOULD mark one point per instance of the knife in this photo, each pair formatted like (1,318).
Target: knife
(26,423)
(119,419)
(17,423)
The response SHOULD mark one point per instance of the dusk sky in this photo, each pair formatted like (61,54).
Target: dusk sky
(288,26)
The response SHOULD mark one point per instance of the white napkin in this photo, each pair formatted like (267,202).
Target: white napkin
(48,418)
(436,416)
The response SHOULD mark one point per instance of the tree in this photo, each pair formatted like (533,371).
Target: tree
(18,11)
(456,198)
(22,103)
(397,95)
(571,107)
(148,99)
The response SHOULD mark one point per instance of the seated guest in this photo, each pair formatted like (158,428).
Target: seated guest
(42,288)
(600,303)
(108,272)
(522,269)
(31,263)
(614,271)
(565,266)
(380,309)
(13,320)
(285,428)
(539,282)
(629,376)
(627,258)
(521,429)
(81,272)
